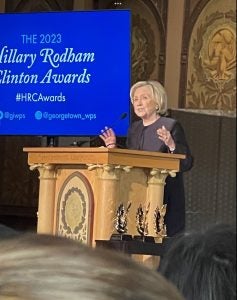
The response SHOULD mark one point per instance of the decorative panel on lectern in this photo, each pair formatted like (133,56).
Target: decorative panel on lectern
(74,208)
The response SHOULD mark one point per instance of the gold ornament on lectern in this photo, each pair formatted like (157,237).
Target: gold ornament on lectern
(142,224)
(159,223)
(121,223)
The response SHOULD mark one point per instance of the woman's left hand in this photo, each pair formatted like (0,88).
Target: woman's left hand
(166,137)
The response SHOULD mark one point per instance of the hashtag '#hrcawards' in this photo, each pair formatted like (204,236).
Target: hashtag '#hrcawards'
(18,97)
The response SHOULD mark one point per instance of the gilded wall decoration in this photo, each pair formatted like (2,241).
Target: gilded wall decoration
(143,49)
(211,82)
(219,59)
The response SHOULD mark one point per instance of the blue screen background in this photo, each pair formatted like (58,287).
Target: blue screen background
(46,107)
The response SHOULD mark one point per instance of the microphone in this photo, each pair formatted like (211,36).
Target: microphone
(121,117)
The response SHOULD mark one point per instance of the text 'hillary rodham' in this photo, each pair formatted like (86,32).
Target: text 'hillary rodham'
(12,56)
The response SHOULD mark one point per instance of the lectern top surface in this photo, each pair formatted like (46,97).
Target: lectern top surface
(98,150)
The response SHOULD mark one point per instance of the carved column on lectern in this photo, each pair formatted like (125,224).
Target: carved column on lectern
(154,201)
(46,197)
(108,196)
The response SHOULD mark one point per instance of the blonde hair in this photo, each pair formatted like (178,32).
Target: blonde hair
(159,93)
(49,267)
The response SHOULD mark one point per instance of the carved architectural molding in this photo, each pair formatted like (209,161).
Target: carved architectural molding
(46,171)
(158,176)
(111,172)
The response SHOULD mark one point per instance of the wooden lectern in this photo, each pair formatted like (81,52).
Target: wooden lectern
(81,189)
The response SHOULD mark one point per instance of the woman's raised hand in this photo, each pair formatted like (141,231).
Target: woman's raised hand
(109,137)
(166,137)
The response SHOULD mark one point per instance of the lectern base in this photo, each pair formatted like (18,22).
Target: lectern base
(120,237)
(145,238)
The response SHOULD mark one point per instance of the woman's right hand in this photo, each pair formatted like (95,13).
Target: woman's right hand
(109,137)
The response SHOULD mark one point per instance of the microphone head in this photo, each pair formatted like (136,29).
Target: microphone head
(123,116)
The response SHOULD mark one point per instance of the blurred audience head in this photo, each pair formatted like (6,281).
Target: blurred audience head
(202,264)
(7,232)
(41,267)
